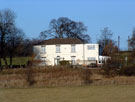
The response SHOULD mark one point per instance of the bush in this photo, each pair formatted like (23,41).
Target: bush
(127,71)
(93,65)
(30,76)
(112,66)
(31,63)
(119,66)
(86,76)
(64,62)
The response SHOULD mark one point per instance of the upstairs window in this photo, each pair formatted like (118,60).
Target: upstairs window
(43,49)
(91,47)
(57,48)
(73,49)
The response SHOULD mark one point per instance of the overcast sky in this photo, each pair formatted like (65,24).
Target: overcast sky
(33,16)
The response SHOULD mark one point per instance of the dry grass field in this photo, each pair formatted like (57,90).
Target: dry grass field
(106,93)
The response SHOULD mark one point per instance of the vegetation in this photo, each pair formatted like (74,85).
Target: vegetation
(45,76)
(120,64)
(10,35)
(18,61)
(12,40)
(106,42)
(131,41)
(107,93)
(64,27)
(64,63)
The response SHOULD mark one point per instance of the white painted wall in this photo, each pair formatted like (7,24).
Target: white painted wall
(81,53)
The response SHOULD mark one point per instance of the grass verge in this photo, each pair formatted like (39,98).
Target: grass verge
(106,93)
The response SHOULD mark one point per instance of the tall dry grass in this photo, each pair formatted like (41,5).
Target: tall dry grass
(58,76)
(47,76)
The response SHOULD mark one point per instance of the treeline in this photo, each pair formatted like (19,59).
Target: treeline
(13,41)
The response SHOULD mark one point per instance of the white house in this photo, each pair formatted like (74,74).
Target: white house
(70,49)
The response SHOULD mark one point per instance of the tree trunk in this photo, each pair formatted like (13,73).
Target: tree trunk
(0,65)
(11,60)
(2,49)
(5,61)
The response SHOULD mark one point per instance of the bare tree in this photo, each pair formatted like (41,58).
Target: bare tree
(105,37)
(106,43)
(27,46)
(110,49)
(7,21)
(65,28)
(14,42)
(131,41)
(10,35)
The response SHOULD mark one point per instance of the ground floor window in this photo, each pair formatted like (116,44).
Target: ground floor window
(43,59)
(91,58)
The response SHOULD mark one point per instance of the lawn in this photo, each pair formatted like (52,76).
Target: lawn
(119,93)
(18,60)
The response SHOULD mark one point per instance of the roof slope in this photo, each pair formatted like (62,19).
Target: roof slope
(61,41)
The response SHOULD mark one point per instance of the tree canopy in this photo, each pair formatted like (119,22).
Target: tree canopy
(65,28)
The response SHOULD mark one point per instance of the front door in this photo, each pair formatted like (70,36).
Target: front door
(57,60)
(73,60)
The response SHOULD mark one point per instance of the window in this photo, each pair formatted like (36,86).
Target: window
(43,49)
(91,47)
(43,59)
(73,48)
(57,48)
(91,58)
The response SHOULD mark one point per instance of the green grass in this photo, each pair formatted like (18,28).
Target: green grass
(120,93)
(18,60)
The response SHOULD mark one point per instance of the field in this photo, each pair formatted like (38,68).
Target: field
(106,93)
(18,60)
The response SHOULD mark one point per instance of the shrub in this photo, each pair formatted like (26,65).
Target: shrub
(31,63)
(30,76)
(118,65)
(64,62)
(86,76)
(93,65)
(112,66)
(128,71)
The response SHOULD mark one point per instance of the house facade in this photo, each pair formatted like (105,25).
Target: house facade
(52,51)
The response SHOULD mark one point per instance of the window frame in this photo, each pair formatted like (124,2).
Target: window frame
(91,58)
(43,49)
(57,51)
(43,59)
(73,48)
(91,47)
